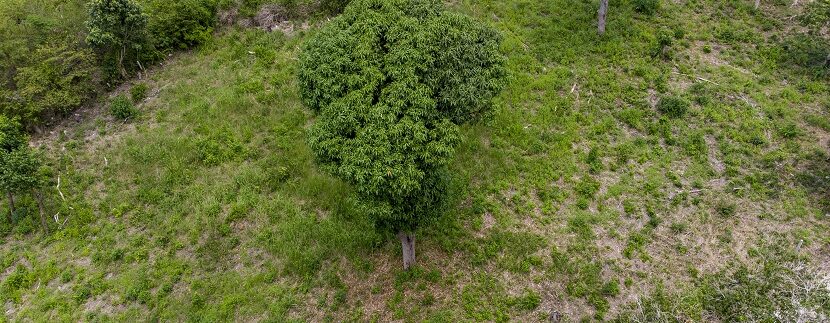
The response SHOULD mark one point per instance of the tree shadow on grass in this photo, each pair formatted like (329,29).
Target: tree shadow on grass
(815,178)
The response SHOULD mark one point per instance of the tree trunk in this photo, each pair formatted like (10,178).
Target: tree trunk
(408,245)
(757,4)
(39,198)
(603,11)
(121,56)
(11,206)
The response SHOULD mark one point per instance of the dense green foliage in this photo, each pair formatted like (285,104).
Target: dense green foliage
(179,24)
(117,28)
(122,108)
(392,81)
(813,49)
(673,106)
(648,7)
(58,80)
(20,170)
(138,92)
(45,69)
(11,134)
(333,6)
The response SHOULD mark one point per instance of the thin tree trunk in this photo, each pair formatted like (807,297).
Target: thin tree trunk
(603,11)
(39,198)
(11,205)
(408,245)
(757,4)
(121,62)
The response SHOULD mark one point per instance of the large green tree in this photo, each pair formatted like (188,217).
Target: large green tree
(391,82)
(117,28)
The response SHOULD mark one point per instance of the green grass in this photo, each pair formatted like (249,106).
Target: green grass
(578,196)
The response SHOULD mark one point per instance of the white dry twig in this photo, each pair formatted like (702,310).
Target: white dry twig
(59,189)
(698,78)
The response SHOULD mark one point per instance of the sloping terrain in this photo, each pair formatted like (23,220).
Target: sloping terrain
(594,192)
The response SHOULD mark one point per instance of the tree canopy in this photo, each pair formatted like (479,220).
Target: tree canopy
(391,82)
(116,27)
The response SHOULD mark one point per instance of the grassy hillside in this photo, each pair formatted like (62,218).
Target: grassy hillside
(594,193)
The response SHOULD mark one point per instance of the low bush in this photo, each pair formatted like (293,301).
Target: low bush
(122,108)
(138,92)
(179,24)
(661,46)
(672,106)
(648,7)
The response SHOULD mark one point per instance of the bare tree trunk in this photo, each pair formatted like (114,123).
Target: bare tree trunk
(757,4)
(603,11)
(11,206)
(408,245)
(121,62)
(39,198)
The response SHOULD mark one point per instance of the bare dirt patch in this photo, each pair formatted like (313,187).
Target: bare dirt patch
(104,304)
(271,17)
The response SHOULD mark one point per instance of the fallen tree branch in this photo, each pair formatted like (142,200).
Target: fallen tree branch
(59,189)
(697,77)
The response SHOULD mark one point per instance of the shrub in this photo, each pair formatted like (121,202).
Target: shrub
(806,51)
(789,130)
(122,108)
(138,92)
(672,106)
(180,24)
(58,80)
(725,209)
(11,134)
(333,7)
(38,37)
(661,46)
(648,7)
(391,81)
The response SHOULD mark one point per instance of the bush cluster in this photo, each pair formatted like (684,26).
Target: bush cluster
(122,108)
(179,24)
(647,7)
(138,92)
(672,106)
